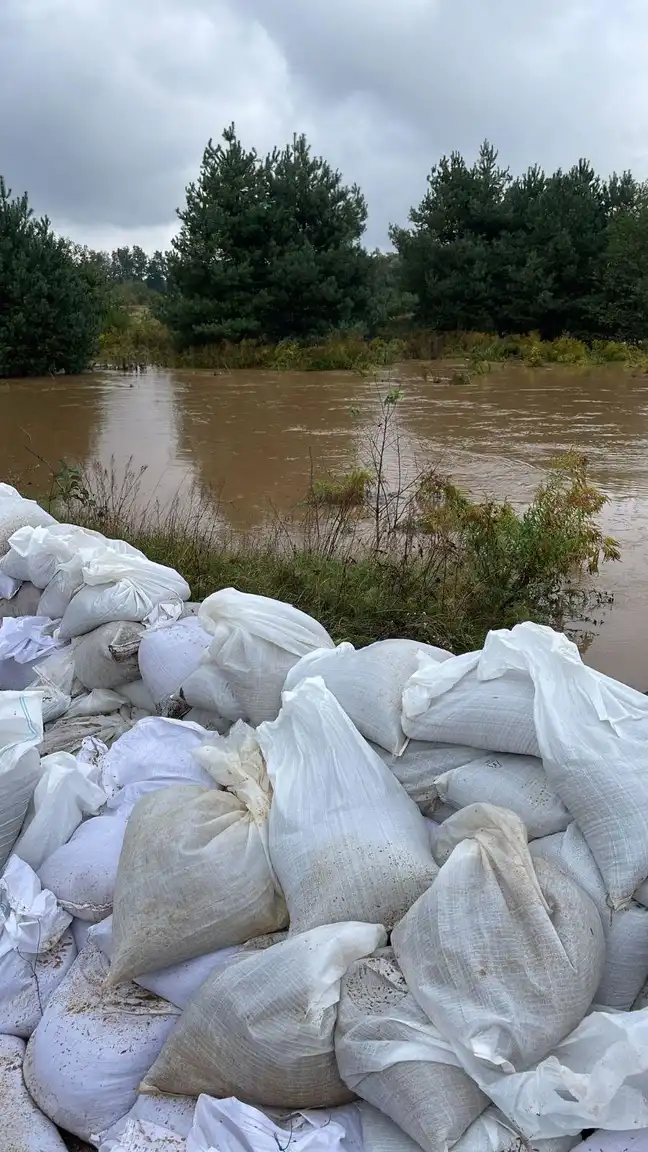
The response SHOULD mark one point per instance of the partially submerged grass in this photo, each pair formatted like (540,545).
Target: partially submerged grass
(372,559)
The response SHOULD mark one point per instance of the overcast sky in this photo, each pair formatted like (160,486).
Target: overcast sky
(106,105)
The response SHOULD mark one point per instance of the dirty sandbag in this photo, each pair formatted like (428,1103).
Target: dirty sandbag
(390,1054)
(179,983)
(232,1126)
(107,657)
(194,873)
(21,730)
(595,1078)
(450,702)
(492,1132)
(255,642)
(118,585)
(82,873)
(97,702)
(419,765)
(593,736)
(36,948)
(515,782)
(24,603)
(67,735)
(232,1037)
(601,1141)
(157,750)
(626,931)
(24,1127)
(380,1134)
(208,688)
(17,512)
(65,793)
(346,841)
(368,683)
(169,653)
(142,1136)
(175,1114)
(502,956)
(93,1046)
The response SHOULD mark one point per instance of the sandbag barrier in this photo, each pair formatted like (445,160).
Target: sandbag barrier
(258,890)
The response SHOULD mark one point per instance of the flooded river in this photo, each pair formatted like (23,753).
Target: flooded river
(251,436)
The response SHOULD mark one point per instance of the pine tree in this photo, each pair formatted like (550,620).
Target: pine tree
(51,298)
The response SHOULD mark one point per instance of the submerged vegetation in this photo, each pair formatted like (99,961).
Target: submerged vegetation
(372,558)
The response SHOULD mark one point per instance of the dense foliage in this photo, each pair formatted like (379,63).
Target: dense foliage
(50,296)
(268,248)
(557,253)
(268,269)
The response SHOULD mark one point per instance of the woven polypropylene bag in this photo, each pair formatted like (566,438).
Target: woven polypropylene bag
(391,1055)
(107,657)
(346,841)
(262,1029)
(503,957)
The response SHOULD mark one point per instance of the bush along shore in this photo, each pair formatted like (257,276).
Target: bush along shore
(135,338)
(374,561)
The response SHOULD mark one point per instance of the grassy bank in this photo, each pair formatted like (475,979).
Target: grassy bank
(134,337)
(372,561)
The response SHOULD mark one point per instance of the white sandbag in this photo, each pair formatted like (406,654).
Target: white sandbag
(23,1126)
(36,950)
(24,603)
(210,721)
(380,1134)
(368,683)
(179,983)
(626,931)
(82,873)
(15,513)
(502,956)
(208,688)
(24,642)
(92,1035)
(262,1029)
(595,1077)
(21,730)
(492,1132)
(9,587)
(390,1054)
(169,653)
(175,1114)
(108,657)
(38,553)
(142,1136)
(68,735)
(54,678)
(98,702)
(194,872)
(615,1142)
(65,793)
(346,841)
(118,585)
(232,1126)
(155,750)
(593,736)
(515,782)
(80,930)
(255,642)
(450,702)
(138,695)
(419,765)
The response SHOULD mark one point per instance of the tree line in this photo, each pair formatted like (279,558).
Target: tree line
(271,247)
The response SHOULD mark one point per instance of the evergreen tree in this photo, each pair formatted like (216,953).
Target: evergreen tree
(267,249)
(51,296)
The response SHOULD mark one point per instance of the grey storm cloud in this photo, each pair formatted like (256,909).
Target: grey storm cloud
(106,105)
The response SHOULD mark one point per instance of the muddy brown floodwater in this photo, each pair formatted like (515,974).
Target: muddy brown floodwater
(250,435)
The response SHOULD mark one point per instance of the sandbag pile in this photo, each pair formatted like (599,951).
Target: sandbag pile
(260,891)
